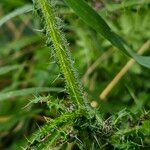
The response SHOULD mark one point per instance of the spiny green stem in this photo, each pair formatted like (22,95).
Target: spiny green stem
(49,128)
(51,141)
(62,54)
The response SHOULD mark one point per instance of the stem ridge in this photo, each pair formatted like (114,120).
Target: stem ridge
(62,53)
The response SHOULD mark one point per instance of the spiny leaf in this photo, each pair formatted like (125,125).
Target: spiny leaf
(91,17)
(56,137)
(51,128)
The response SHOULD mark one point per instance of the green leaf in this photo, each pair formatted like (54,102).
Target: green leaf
(15,118)
(51,128)
(93,19)
(29,91)
(17,12)
(6,69)
(19,44)
(125,4)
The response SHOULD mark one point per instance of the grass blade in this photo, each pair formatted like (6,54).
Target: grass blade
(28,91)
(93,19)
(6,69)
(19,44)
(17,12)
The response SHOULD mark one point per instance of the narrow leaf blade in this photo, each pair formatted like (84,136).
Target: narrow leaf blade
(94,20)
(17,12)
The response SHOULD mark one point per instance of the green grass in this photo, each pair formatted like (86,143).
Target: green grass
(53,94)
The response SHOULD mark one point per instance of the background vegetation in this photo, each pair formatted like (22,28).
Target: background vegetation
(29,76)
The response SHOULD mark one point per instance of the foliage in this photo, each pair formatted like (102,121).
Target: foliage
(44,108)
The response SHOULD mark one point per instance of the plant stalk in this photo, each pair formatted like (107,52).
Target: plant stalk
(62,54)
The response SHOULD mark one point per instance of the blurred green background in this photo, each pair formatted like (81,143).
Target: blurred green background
(28,71)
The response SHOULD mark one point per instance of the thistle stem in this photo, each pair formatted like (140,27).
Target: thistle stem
(62,54)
